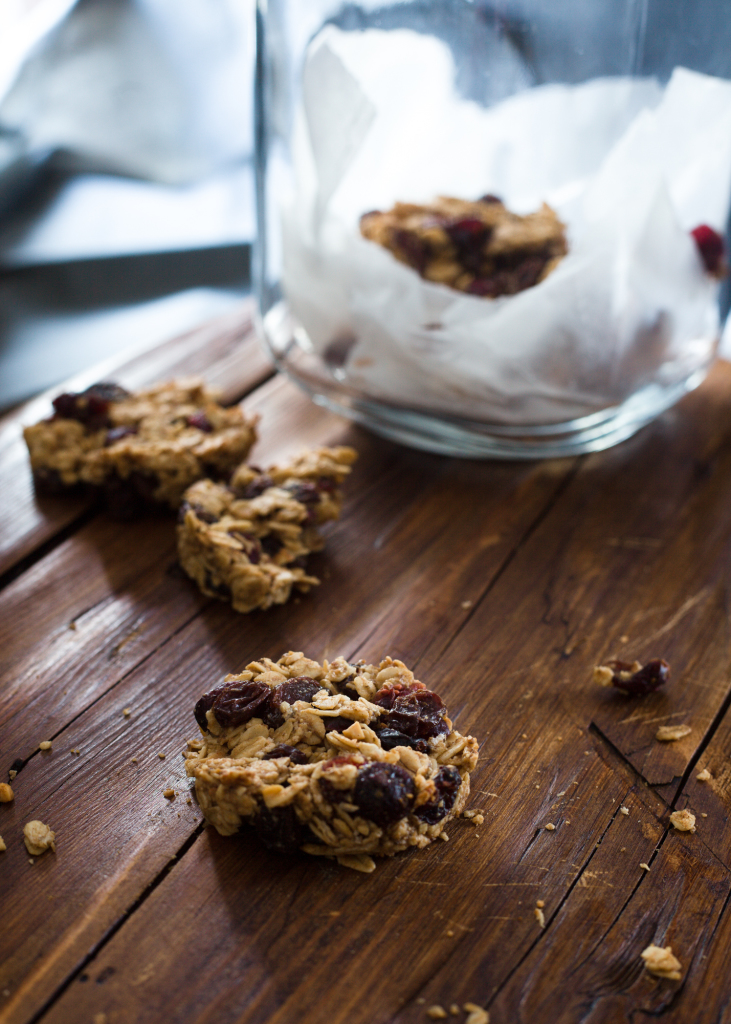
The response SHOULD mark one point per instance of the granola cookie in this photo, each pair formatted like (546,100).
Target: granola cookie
(139,450)
(476,247)
(247,542)
(338,760)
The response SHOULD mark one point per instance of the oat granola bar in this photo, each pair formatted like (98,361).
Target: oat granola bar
(476,247)
(338,760)
(138,450)
(247,542)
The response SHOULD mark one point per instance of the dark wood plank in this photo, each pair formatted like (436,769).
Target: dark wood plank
(303,941)
(390,486)
(225,352)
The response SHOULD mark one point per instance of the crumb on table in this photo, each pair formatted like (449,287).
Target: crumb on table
(6,793)
(670,733)
(45,745)
(38,838)
(703,776)
(661,962)
(683,821)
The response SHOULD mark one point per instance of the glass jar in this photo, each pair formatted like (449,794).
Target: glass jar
(487,324)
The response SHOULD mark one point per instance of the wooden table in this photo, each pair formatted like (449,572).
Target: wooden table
(502,585)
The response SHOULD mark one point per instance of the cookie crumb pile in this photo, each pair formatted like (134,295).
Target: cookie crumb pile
(338,760)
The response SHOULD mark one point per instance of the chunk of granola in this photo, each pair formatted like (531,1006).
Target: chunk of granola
(661,962)
(683,821)
(38,838)
(670,733)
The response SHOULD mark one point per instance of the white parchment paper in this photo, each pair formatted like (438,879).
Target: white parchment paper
(629,166)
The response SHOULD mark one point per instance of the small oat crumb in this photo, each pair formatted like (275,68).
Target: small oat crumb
(169,794)
(540,903)
(31,861)
(6,793)
(466,604)
(703,776)
(540,917)
(12,774)
(38,838)
(436,1012)
(661,962)
(161,756)
(45,745)
(550,827)
(624,810)
(421,1000)
(703,814)
(562,793)
(684,821)
(623,849)
(624,639)
(645,867)
(476,1014)
(454,1010)
(74,751)
(603,675)
(100,1018)
(669,733)
(450,933)
(134,760)
(72,625)
(524,735)
(189,801)
(3,847)
(126,712)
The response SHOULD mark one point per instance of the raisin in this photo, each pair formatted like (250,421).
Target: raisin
(412,711)
(284,750)
(647,679)
(383,792)
(271,545)
(117,433)
(280,830)
(255,487)
(300,688)
(391,738)
(336,723)
(447,782)
(89,407)
(305,492)
(489,198)
(711,247)
(233,703)
(200,421)
(251,545)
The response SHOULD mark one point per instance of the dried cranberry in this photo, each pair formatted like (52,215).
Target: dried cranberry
(326,483)
(255,487)
(416,250)
(284,750)
(647,679)
(300,688)
(233,703)
(469,236)
(412,711)
(489,198)
(447,782)
(384,792)
(528,272)
(117,433)
(280,830)
(711,247)
(200,421)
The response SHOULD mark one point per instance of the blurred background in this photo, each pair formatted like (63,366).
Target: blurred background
(126,192)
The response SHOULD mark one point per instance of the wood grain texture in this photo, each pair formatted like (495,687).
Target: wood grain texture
(225,352)
(502,585)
